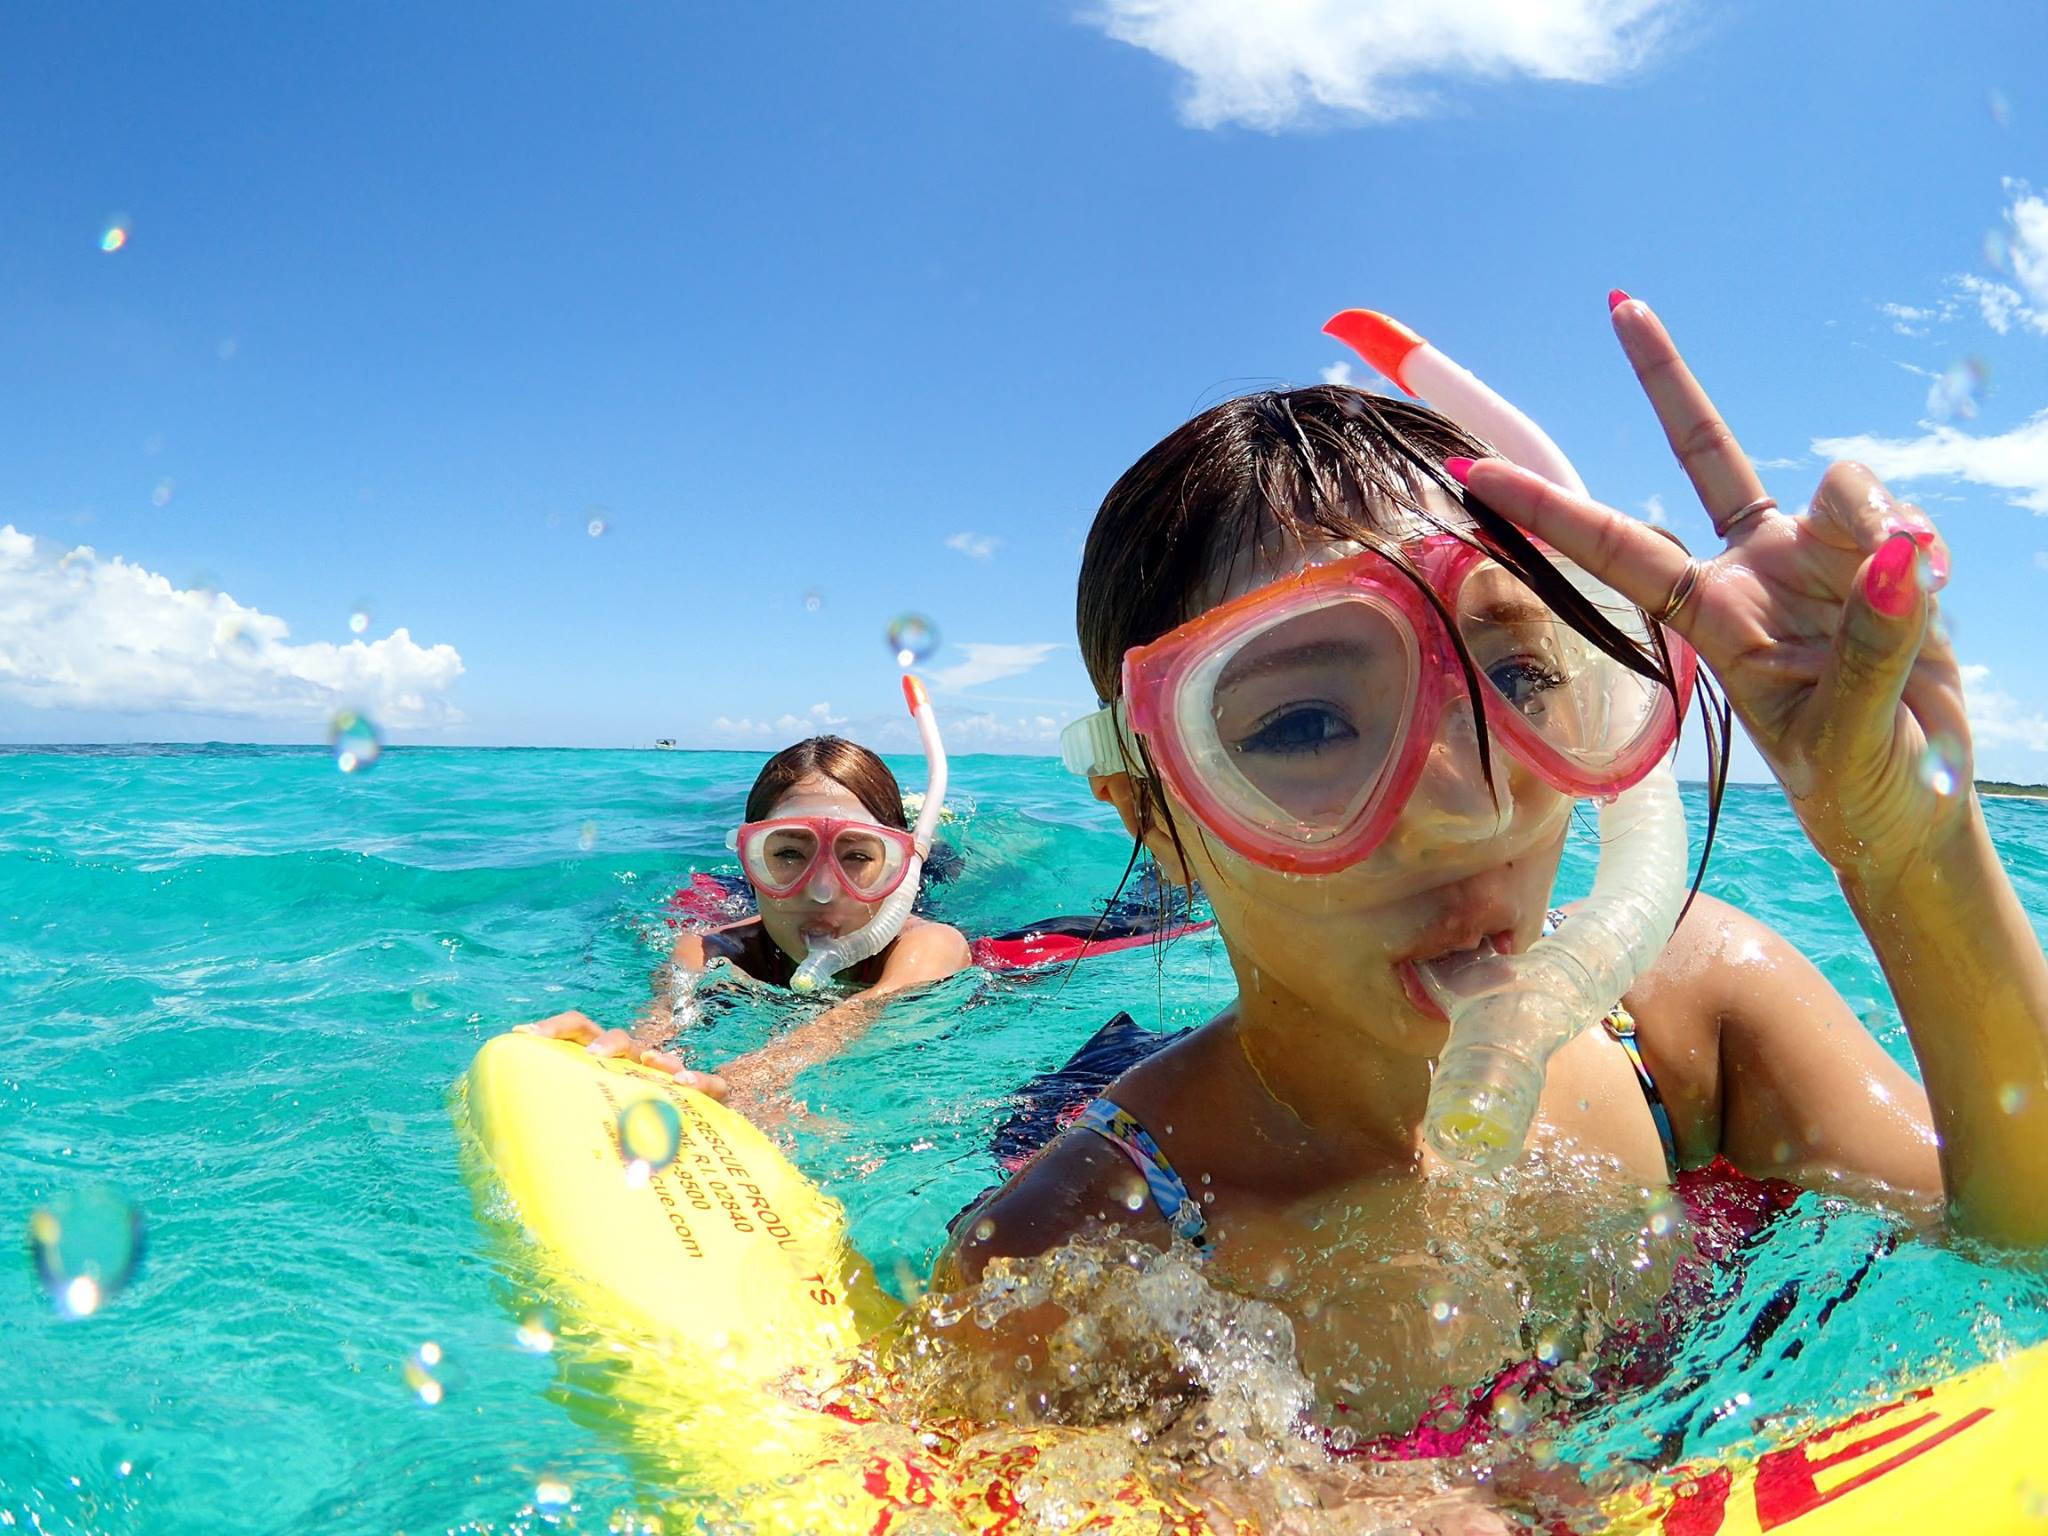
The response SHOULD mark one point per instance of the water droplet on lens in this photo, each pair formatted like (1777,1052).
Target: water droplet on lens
(984,1229)
(87,1243)
(551,1492)
(419,1373)
(536,1333)
(1958,389)
(1509,1413)
(115,235)
(912,637)
(1550,1346)
(813,600)
(596,527)
(1134,1198)
(2012,1097)
(1661,1213)
(1443,1304)
(1999,108)
(1941,765)
(586,836)
(650,1135)
(165,490)
(359,621)
(355,741)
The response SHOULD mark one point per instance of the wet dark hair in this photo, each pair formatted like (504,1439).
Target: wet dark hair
(834,758)
(1326,462)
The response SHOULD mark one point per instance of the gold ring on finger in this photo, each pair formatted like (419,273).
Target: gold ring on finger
(1742,514)
(1681,592)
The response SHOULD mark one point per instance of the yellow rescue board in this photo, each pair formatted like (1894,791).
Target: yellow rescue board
(733,1276)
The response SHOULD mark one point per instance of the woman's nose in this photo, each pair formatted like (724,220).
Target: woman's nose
(821,889)
(1455,801)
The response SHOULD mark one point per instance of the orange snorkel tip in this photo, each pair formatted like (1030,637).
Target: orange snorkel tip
(1380,339)
(914,694)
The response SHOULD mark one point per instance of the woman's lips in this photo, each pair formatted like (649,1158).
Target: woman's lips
(1417,990)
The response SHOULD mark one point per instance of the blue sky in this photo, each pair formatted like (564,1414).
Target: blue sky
(871,304)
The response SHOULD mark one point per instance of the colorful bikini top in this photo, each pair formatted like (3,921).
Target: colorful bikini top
(1183,1213)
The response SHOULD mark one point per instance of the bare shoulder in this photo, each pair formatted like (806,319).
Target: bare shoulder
(1704,983)
(935,942)
(1078,1185)
(688,952)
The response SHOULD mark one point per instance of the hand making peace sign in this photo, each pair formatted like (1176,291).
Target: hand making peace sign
(1816,625)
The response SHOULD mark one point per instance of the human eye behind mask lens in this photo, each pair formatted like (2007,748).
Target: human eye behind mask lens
(1303,727)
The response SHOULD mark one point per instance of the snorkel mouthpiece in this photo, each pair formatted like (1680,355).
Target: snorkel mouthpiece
(826,960)
(1510,1013)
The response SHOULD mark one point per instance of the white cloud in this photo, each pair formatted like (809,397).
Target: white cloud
(2001,305)
(79,632)
(2027,246)
(989,664)
(2014,462)
(1653,511)
(1997,719)
(975,546)
(1284,63)
(1778,463)
(992,730)
(817,718)
(1337,373)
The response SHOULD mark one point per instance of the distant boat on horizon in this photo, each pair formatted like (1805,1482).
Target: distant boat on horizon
(665,744)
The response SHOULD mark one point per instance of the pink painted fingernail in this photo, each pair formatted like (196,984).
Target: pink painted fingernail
(1890,584)
(1615,299)
(1933,569)
(1459,470)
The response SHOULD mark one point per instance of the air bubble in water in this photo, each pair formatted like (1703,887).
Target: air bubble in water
(984,1229)
(912,637)
(650,1135)
(1134,1197)
(355,741)
(1941,765)
(536,1332)
(87,1243)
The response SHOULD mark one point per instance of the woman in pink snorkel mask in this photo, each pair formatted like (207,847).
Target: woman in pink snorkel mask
(825,847)
(1355,675)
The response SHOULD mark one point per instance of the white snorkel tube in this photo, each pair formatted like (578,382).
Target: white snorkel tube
(1509,1013)
(826,960)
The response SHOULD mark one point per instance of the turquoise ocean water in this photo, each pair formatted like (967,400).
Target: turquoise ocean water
(238,985)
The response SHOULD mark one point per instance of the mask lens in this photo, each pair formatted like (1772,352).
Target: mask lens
(777,858)
(1575,698)
(868,861)
(1293,724)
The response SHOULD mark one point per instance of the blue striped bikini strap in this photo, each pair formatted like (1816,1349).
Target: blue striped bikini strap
(1122,1130)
